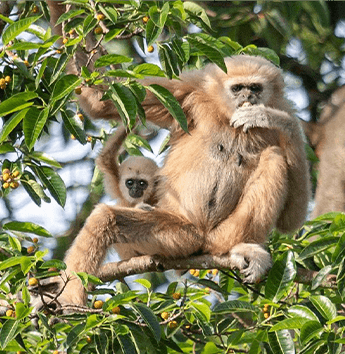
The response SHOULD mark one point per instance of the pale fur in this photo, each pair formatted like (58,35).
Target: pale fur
(224,186)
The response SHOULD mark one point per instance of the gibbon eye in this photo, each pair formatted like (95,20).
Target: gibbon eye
(143,184)
(236,88)
(129,183)
(256,88)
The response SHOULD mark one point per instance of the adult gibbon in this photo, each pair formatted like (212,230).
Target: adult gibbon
(134,181)
(240,172)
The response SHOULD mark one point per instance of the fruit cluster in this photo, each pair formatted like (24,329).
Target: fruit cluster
(10,179)
(4,82)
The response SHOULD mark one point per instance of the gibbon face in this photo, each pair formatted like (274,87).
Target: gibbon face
(137,179)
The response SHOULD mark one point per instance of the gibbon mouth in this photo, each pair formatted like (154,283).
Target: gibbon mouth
(245,104)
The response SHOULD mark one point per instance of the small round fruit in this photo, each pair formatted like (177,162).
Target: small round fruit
(266,315)
(80,116)
(65,40)
(6,170)
(8,79)
(35,240)
(98,30)
(71,32)
(100,17)
(6,185)
(58,51)
(89,139)
(98,304)
(176,296)
(2,82)
(116,310)
(172,324)
(33,281)
(77,90)
(35,9)
(15,174)
(150,48)
(145,19)
(26,63)
(192,271)
(72,137)
(214,272)
(165,315)
(6,177)
(88,339)
(14,185)
(207,290)
(9,313)
(31,249)
(196,273)
(55,352)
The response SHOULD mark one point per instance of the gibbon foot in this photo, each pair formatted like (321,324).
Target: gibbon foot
(251,260)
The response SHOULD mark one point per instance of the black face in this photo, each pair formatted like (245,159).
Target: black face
(136,187)
(246,93)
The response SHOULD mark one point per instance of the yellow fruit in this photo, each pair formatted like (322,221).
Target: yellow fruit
(146,19)
(2,82)
(15,174)
(6,177)
(80,116)
(6,170)
(266,315)
(100,17)
(26,63)
(207,290)
(115,310)
(98,30)
(89,139)
(192,271)
(35,9)
(176,296)
(196,273)
(165,315)
(72,137)
(14,185)
(9,313)
(3,87)
(58,51)
(35,240)
(33,281)
(8,79)
(77,90)
(172,324)
(214,272)
(31,249)
(55,352)
(65,40)
(88,339)
(98,304)
(6,185)
(150,49)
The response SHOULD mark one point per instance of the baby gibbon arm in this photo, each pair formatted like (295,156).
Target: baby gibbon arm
(108,164)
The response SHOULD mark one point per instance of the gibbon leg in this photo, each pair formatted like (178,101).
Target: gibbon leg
(247,227)
(155,232)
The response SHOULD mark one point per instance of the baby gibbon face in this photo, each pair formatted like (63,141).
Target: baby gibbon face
(137,178)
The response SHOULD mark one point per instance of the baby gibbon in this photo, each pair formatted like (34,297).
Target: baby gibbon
(134,181)
(240,172)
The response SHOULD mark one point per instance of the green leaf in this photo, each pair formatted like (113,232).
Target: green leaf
(53,263)
(64,86)
(33,124)
(233,306)
(111,59)
(290,323)
(16,28)
(196,11)
(325,306)
(150,319)
(152,32)
(24,46)
(11,262)
(42,156)
(73,335)
(207,45)
(110,13)
(6,147)
(280,278)
(11,124)
(168,60)
(68,15)
(53,182)
(22,311)
(27,227)
(149,70)
(74,125)
(203,310)
(144,282)
(59,68)
(281,342)
(33,188)
(125,102)
(8,332)
(321,276)
(302,311)
(41,72)
(317,246)
(138,141)
(310,330)
(170,102)
(16,103)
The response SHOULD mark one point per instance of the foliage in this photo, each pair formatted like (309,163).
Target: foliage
(214,313)
(210,311)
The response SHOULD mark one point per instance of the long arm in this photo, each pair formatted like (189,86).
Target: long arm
(108,164)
